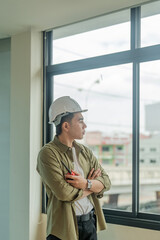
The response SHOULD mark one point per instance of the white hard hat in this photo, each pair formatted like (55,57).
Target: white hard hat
(61,107)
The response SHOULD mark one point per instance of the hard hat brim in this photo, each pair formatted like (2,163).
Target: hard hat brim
(59,117)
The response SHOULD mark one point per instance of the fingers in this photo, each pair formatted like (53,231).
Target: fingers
(69,176)
(77,174)
(91,172)
(94,173)
(76,181)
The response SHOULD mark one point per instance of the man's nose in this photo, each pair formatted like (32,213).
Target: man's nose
(85,125)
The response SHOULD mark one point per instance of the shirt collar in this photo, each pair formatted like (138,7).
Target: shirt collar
(64,148)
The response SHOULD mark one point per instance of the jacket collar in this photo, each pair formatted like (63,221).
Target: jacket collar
(64,148)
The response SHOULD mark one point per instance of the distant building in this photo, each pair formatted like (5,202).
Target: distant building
(152,117)
(150,150)
(116,149)
(112,150)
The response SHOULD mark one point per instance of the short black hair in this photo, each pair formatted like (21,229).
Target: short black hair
(66,118)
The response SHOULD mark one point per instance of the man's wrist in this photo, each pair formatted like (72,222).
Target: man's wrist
(85,183)
(89,184)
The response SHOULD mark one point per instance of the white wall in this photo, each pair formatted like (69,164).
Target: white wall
(25,140)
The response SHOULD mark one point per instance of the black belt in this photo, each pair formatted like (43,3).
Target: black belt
(85,217)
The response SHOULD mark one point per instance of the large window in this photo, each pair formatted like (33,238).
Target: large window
(110,65)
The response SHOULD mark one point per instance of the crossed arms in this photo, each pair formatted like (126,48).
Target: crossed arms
(64,189)
(79,182)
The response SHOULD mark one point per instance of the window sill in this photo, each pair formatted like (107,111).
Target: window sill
(131,221)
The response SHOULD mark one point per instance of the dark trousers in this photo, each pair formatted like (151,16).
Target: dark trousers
(86,229)
(51,237)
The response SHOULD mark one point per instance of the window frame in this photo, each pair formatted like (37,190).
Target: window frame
(135,55)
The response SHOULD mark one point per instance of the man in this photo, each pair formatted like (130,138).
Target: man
(73,178)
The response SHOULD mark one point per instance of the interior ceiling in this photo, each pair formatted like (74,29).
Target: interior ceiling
(21,15)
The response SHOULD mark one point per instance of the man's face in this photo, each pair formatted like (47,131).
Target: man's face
(77,127)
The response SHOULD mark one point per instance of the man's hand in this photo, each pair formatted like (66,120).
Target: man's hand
(80,182)
(94,174)
(97,186)
(76,181)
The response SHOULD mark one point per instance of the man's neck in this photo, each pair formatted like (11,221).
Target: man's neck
(65,140)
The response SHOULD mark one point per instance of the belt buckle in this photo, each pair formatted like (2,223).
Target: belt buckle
(86,217)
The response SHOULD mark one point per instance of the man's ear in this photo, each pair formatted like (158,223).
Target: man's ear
(65,126)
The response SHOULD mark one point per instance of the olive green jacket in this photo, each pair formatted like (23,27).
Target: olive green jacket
(61,218)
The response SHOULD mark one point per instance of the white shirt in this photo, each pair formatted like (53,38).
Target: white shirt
(82,206)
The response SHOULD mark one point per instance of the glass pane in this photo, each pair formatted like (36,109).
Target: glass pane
(150,34)
(150,137)
(107,94)
(92,43)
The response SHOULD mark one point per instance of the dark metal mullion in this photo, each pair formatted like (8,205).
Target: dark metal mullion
(145,54)
(44,114)
(44,88)
(47,99)
(135,28)
(149,216)
(132,222)
(49,87)
(135,43)
(135,154)
(91,63)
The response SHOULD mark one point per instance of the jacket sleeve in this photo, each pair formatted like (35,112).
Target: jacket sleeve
(104,178)
(50,170)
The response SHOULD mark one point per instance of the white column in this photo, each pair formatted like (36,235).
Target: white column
(26,135)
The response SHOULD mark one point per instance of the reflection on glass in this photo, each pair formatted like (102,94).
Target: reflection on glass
(107,93)
(150,137)
(150,34)
(92,43)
